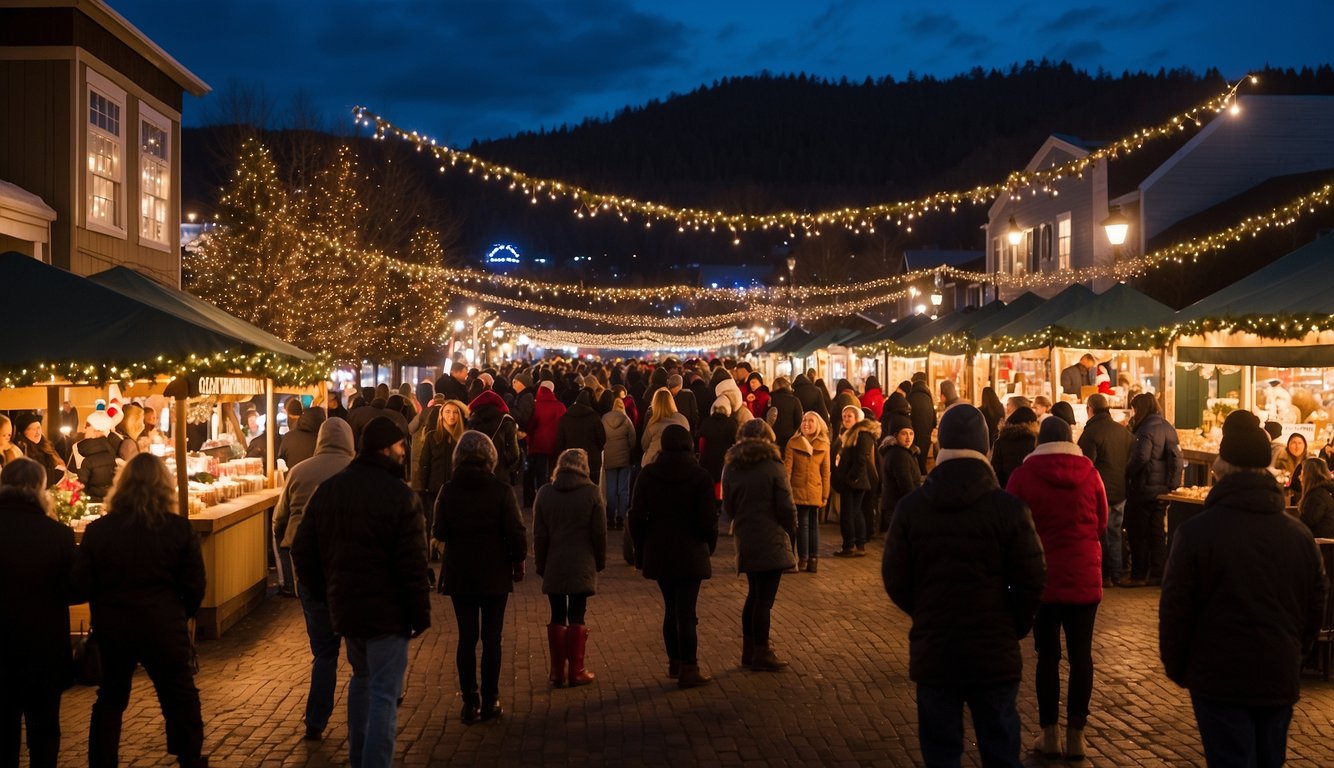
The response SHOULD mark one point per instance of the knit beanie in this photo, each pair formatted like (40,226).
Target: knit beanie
(1244,444)
(524,379)
(1022,415)
(1054,430)
(574,459)
(897,423)
(378,434)
(676,439)
(548,384)
(962,427)
(1063,411)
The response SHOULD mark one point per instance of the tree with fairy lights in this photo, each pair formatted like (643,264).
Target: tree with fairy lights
(305,259)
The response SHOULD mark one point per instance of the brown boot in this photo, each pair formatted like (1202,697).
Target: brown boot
(556,639)
(747,651)
(692,677)
(764,660)
(813,565)
(576,642)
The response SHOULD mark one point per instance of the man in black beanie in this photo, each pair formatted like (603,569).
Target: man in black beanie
(1242,601)
(964,561)
(361,549)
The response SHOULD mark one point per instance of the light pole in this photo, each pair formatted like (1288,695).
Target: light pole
(472,315)
(792,285)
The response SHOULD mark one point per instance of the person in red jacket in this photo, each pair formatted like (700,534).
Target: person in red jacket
(757,395)
(1069,505)
(542,432)
(874,398)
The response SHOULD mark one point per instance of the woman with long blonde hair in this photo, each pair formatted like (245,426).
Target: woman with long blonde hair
(445,424)
(130,428)
(662,414)
(8,451)
(140,566)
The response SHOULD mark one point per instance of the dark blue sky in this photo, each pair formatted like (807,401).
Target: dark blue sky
(463,69)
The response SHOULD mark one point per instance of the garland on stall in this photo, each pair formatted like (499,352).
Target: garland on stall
(283,370)
(857,219)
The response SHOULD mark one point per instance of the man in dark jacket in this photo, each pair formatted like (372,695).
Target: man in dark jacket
(299,442)
(361,549)
(1107,444)
(1243,596)
(964,561)
(809,396)
(1082,374)
(923,407)
(454,386)
(1153,469)
(581,427)
(685,402)
(784,413)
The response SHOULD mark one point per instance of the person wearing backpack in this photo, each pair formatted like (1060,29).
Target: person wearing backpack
(491,417)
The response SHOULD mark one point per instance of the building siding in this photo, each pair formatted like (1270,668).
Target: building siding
(34,139)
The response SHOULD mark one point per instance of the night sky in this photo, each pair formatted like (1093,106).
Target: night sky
(480,69)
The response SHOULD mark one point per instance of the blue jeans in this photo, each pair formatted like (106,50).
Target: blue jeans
(618,494)
(995,722)
(324,646)
(1111,541)
(1244,737)
(808,532)
(851,519)
(378,666)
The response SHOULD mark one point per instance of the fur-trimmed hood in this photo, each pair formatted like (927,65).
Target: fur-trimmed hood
(869,426)
(751,451)
(893,442)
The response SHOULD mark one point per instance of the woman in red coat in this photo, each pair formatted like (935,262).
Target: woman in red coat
(1069,504)
(542,431)
(873,398)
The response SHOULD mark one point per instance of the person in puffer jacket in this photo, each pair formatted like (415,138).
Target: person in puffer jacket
(1069,504)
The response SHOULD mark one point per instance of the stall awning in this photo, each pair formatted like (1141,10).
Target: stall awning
(1300,283)
(187,306)
(1016,309)
(830,338)
(1013,336)
(785,342)
(88,332)
(955,322)
(1119,318)
(891,332)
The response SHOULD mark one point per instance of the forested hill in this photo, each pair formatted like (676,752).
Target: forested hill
(778,142)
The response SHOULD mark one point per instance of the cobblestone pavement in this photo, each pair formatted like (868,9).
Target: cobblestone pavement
(846,699)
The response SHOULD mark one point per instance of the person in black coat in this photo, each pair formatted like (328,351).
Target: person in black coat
(142,570)
(360,549)
(36,588)
(94,461)
(1153,469)
(854,474)
(1317,502)
(488,414)
(809,396)
(581,427)
(717,433)
(674,522)
(785,411)
(1107,444)
(1017,439)
(1243,597)
(923,416)
(477,521)
(686,404)
(896,404)
(454,385)
(964,561)
(299,442)
(899,475)
(704,397)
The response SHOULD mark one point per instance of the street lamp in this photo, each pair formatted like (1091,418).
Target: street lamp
(1014,233)
(1117,226)
(792,284)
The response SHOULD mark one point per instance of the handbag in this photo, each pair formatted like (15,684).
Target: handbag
(87,659)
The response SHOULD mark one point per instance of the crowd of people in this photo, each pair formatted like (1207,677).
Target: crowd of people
(998,523)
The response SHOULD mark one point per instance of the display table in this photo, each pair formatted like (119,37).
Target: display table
(1198,466)
(1180,508)
(234,540)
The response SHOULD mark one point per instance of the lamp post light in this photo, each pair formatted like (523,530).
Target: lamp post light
(1117,226)
(792,286)
(1013,233)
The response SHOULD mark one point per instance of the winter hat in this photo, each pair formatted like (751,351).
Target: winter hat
(898,422)
(548,385)
(962,427)
(1244,443)
(1063,411)
(475,446)
(25,420)
(1273,428)
(574,460)
(1022,415)
(722,405)
(897,403)
(919,376)
(676,439)
(842,385)
(378,434)
(524,379)
(1054,430)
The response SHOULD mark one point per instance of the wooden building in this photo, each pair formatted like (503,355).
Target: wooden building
(92,127)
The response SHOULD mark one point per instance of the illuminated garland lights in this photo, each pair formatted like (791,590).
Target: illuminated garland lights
(283,370)
(632,340)
(857,219)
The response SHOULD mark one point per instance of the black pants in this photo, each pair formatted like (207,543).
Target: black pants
(479,616)
(568,609)
(39,706)
(164,653)
(759,604)
(679,619)
(1148,537)
(1077,621)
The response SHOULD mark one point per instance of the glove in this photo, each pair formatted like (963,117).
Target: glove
(519,569)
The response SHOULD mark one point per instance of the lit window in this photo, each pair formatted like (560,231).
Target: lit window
(106,148)
(154,176)
(1063,241)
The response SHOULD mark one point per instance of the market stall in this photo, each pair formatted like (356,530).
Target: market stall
(949,351)
(157,342)
(774,358)
(881,345)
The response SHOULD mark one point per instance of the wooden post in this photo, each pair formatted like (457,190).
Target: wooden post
(179,411)
(1167,383)
(270,429)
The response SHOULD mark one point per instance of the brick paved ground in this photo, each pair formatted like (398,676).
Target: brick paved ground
(845,701)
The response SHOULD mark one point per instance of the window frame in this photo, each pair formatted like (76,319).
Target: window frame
(96,83)
(1064,243)
(162,123)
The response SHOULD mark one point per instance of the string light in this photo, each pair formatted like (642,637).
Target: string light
(858,219)
(636,340)
(283,370)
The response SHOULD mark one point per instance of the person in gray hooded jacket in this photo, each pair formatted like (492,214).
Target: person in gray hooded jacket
(333,452)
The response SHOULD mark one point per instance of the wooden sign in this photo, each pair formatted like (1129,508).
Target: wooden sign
(230,385)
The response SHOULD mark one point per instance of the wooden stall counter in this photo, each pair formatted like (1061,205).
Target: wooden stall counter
(234,540)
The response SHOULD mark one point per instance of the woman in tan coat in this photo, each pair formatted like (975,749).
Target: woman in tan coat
(807,458)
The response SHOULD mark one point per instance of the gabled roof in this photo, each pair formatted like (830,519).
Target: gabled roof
(1301,282)
(891,332)
(785,342)
(1119,308)
(1016,309)
(1048,313)
(830,338)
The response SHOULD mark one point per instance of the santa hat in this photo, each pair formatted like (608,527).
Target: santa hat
(108,412)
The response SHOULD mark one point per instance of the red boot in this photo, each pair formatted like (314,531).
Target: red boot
(557,635)
(576,641)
